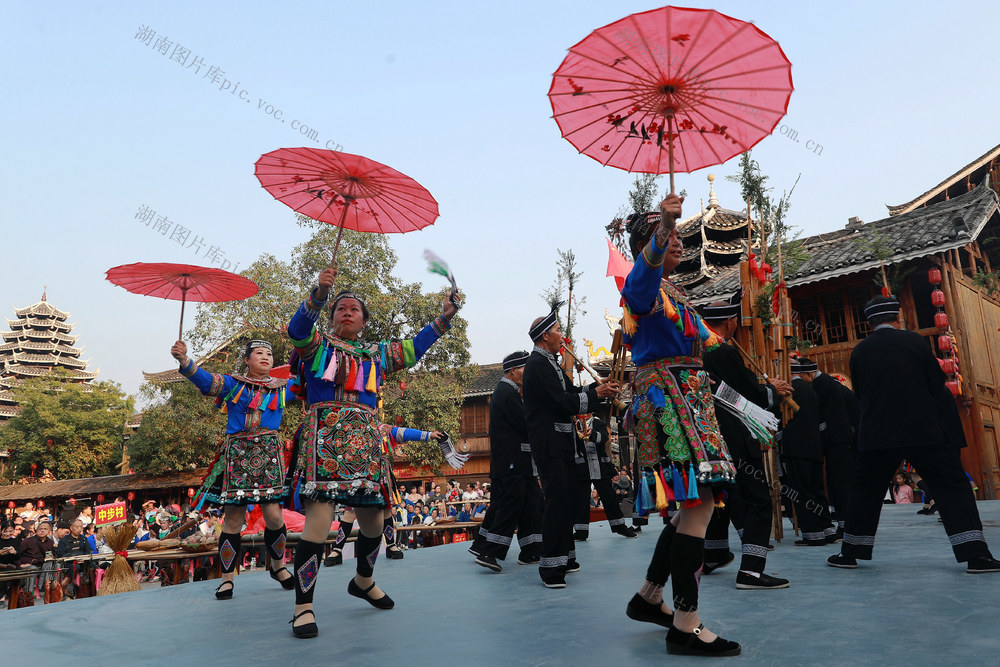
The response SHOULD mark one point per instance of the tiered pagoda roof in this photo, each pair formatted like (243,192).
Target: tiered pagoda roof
(39,340)
(714,240)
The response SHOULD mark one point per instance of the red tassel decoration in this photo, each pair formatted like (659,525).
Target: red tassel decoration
(689,330)
(274,402)
(352,375)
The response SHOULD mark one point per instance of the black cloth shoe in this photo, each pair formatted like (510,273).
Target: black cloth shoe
(336,557)
(709,568)
(393,552)
(769,547)
(526,560)
(982,565)
(473,551)
(748,582)
(811,543)
(572,567)
(647,612)
(552,577)
(580,536)
(384,602)
(288,584)
(688,643)
(226,594)
(306,630)
(489,562)
(840,560)
(624,531)
(833,538)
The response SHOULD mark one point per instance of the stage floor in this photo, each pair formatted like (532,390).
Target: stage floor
(912,605)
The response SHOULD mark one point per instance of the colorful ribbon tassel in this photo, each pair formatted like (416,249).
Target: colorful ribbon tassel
(331,368)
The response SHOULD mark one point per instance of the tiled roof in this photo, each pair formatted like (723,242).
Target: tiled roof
(921,232)
(964,172)
(485,382)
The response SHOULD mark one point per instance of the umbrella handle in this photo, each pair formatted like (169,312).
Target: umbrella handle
(180,328)
(670,145)
(340,232)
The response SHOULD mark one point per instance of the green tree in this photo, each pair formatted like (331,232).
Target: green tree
(73,429)
(562,290)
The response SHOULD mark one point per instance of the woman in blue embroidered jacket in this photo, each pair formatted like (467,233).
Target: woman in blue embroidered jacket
(340,453)
(249,467)
(679,443)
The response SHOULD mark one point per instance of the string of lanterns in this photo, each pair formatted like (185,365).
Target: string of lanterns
(946,342)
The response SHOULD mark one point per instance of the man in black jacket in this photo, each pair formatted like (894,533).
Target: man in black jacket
(907,412)
(802,451)
(550,402)
(838,413)
(515,498)
(593,466)
(749,503)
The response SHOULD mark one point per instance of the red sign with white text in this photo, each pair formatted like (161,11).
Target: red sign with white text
(111,514)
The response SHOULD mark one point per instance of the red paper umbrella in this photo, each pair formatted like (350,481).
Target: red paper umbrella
(281,372)
(672,89)
(348,191)
(182,282)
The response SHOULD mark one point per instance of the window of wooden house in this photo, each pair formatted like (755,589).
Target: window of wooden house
(834,317)
(809,321)
(475,419)
(857,298)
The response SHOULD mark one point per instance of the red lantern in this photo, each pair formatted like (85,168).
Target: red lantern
(947,366)
(944,343)
(934,276)
(100,497)
(11,504)
(937,297)
(72,501)
(952,387)
(941,320)
(190,493)
(41,504)
(131,495)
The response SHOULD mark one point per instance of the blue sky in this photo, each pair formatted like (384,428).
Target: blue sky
(98,124)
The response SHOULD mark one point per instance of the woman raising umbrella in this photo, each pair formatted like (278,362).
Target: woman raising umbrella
(249,466)
(339,452)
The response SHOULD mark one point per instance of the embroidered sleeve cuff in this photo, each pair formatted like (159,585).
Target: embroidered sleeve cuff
(440,325)
(653,254)
(313,303)
(584,402)
(189,370)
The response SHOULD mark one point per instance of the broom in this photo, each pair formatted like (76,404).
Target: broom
(119,578)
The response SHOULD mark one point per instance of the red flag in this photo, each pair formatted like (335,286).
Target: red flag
(618,266)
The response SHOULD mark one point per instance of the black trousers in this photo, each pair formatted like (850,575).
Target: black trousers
(840,463)
(610,500)
(805,478)
(516,502)
(558,473)
(749,509)
(942,469)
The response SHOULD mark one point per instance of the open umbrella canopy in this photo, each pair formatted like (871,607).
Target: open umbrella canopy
(182,282)
(320,183)
(712,84)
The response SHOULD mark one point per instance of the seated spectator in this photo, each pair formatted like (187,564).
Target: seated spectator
(454,491)
(443,515)
(87,516)
(10,547)
(470,493)
(35,548)
(479,513)
(29,513)
(466,514)
(595,499)
(902,492)
(61,531)
(75,543)
(413,496)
